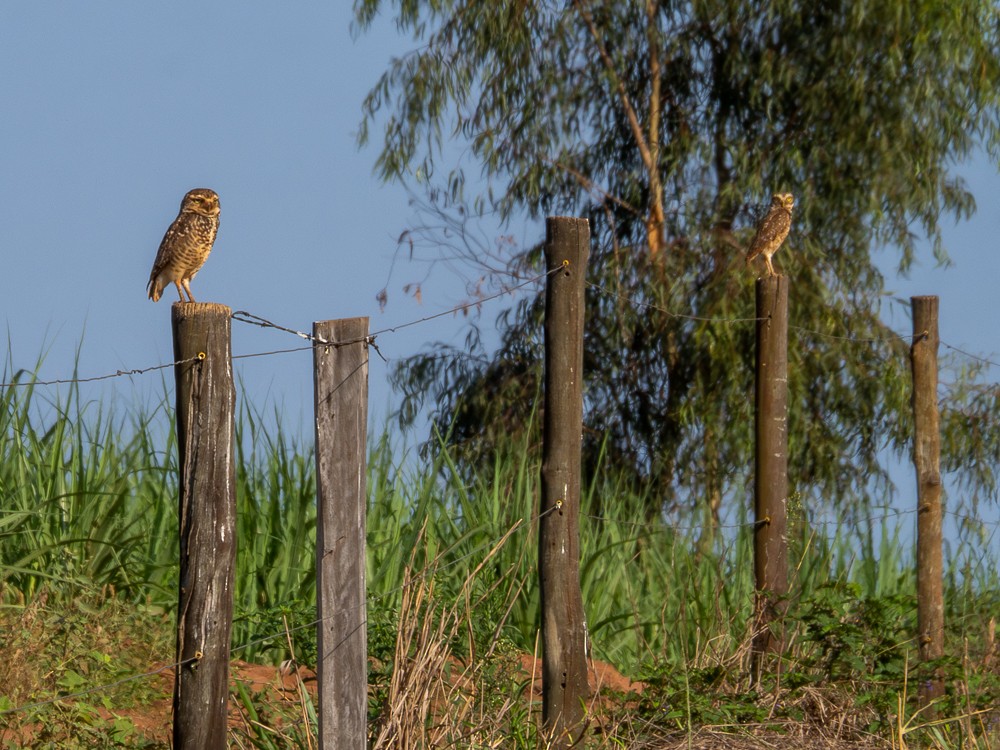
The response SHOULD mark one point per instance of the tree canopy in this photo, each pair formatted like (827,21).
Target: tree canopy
(669,124)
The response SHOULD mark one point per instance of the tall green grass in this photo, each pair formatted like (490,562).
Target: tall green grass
(85,497)
(88,504)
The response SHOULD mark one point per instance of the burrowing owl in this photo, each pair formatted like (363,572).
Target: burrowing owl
(772,230)
(186,245)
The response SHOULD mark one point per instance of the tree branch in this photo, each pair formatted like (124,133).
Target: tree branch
(588,184)
(655,220)
(654,225)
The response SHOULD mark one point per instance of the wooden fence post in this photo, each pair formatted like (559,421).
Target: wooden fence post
(771,466)
(564,629)
(205,416)
(341,405)
(927,461)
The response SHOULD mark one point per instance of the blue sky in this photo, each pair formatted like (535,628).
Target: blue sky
(113,110)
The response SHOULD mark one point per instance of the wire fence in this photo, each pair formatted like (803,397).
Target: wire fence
(24,378)
(249,318)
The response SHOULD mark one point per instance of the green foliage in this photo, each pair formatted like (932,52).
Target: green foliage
(81,727)
(855,636)
(668,125)
(54,645)
(268,631)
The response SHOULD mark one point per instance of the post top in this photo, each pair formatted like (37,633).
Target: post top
(182,310)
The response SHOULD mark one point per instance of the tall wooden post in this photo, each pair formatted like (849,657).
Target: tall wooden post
(927,461)
(771,465)
(206,402)
(564,629)
(341,393)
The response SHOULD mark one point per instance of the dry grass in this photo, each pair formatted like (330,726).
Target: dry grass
(486,699)
(434,698)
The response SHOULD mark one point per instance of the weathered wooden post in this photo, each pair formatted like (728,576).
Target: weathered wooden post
(206,402)
(927,461)
(771,466)
(564,629)
(341,395)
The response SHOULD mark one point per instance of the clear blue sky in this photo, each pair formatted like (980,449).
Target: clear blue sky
(113,110)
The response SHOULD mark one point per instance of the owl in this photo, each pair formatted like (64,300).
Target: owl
(772,230)
(186,245)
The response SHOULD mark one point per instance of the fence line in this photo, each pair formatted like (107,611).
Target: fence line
(894,336)
(249,318)
(141,371)
(665,311)
(987,362)
(115,374)
(705,319)
(273,351)
(663,528)
(243,316)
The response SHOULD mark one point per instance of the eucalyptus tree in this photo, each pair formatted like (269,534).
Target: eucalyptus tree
(669,124)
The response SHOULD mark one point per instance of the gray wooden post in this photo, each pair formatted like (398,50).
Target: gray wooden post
(564,629)
(341,405)
(206,402)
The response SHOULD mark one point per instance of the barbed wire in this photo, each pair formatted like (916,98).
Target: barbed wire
(253,319)
(273,351)
(889,337)
(244,316)
(249,318)
(115,374)
(665,311)
(983,360)
(664,527)
(428,573)
(712,319)
(892,336)
(475,303)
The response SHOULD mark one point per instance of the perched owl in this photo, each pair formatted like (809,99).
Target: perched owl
(772,230)
(186,245)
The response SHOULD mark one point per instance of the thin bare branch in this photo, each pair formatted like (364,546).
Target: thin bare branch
(588,184)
